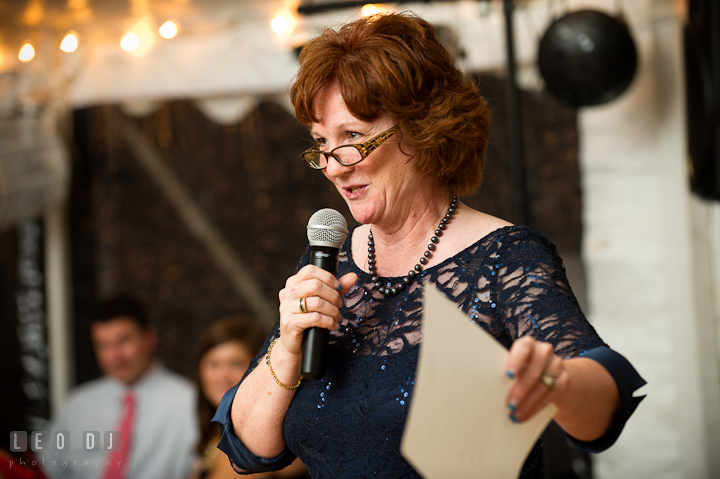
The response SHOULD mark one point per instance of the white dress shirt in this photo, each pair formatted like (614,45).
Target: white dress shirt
(165,430)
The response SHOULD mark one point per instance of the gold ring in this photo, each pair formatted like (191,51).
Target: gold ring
(549,381)
(302,305)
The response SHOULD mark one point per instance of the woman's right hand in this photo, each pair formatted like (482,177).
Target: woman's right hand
(323,294)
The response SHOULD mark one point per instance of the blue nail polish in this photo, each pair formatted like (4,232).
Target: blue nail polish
(511,406)
(339,288)
(514,419)
(510,374)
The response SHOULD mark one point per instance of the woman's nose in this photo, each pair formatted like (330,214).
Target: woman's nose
(334,168)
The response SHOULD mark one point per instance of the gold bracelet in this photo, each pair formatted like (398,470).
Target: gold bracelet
(267,361)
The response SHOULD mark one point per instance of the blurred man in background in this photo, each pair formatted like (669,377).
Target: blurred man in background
(152,408)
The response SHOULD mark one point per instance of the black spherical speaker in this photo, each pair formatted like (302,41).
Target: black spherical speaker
(587,58)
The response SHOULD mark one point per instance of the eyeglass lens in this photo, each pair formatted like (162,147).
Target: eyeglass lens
(346,155)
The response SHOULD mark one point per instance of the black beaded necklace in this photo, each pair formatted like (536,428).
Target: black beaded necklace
(410,277)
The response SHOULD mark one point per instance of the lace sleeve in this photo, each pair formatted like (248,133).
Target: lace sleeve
(533,297)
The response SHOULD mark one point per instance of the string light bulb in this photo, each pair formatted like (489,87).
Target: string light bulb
(70,43)
(27,53)
(283,22)
(140,37)
(373,9)
(130,42)
(168,30)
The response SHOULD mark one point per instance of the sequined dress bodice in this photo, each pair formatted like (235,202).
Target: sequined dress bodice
(349,424)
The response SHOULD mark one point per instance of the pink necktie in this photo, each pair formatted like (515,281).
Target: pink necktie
(119,460)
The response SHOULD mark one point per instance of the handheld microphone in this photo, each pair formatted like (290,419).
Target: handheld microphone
(326,232)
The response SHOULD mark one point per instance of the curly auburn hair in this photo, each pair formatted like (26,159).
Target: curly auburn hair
(395,63)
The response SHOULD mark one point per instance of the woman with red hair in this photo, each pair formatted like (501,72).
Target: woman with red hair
(401,133)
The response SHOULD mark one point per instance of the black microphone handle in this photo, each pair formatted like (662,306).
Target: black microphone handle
(315,340)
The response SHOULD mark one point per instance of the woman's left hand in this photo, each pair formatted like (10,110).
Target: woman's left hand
(541,377)
(585,393)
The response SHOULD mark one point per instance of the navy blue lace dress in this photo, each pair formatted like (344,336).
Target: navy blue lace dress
(349,424)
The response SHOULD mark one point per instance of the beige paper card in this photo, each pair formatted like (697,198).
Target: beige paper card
(458,423)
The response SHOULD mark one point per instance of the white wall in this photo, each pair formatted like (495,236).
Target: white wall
(706,251)
(646,246)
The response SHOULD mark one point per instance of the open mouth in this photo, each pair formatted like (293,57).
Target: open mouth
(354,192)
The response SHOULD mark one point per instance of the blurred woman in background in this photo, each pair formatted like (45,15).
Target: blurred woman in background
(226,348)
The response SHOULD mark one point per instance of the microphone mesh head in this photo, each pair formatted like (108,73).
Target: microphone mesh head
(327,227)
